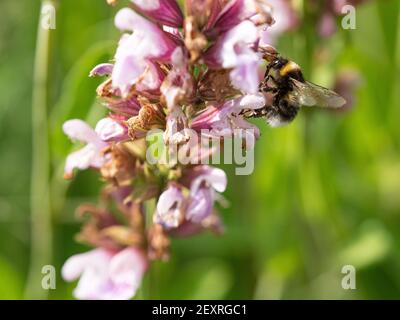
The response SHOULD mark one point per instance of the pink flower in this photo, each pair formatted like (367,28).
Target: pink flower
(185,145)
(89,156)
(137,51)
(327,25)
(177,84)
(169,211)
(226,121)
(206,182)
(236,11)
(232,14)
(106,275)
(234,50)
(176,128)
(129,107)
(285,19)
(151,79)
(174,208)
(108,130)
(103,69)
(166,12)
(189,228)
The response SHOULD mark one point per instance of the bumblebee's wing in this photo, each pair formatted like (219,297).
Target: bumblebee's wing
(311,95)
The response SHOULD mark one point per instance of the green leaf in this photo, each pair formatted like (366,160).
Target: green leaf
(11,284)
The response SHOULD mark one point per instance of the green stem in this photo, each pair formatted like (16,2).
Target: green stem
(41,228)
(150,207)
(146,291)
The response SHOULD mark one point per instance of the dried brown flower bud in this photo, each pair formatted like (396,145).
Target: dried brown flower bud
(91,233)
(123,236)
(264,13)
(159,243)
(105,89)
(151,116)
(195,41)
(120,169)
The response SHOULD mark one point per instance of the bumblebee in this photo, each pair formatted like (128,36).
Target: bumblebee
(290,91)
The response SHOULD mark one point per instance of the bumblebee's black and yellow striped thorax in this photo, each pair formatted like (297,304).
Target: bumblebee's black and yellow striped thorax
(292,70)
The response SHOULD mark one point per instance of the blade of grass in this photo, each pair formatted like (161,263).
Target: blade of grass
(41,227)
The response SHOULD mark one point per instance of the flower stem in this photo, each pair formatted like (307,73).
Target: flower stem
(150,207)
(41,228)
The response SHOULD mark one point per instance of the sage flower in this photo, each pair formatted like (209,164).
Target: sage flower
(190,75)
(89,156)
(106,275)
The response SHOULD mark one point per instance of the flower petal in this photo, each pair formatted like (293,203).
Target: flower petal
(151,79)
(88,156)
(75,265)
(214,177)
(236,43)
(94,283)
(232,14)
(166,12)
(168,199)
(79,130)
(169,208)
(252,101)
(147,4)
(245,75)
(126,272)
(234,51)
(135,52)
(148,40)
(110,130)
(201,205)
(127,72)
(103,69)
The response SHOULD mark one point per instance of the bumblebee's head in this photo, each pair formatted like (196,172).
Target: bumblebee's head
(279,63)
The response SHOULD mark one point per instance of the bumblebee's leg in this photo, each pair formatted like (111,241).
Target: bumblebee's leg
(268,70)
(247,113)
(251,113)
(269,89)
(266,88)
(270,77)
(259,113)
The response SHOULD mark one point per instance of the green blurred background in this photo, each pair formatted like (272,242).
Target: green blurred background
(325,191)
